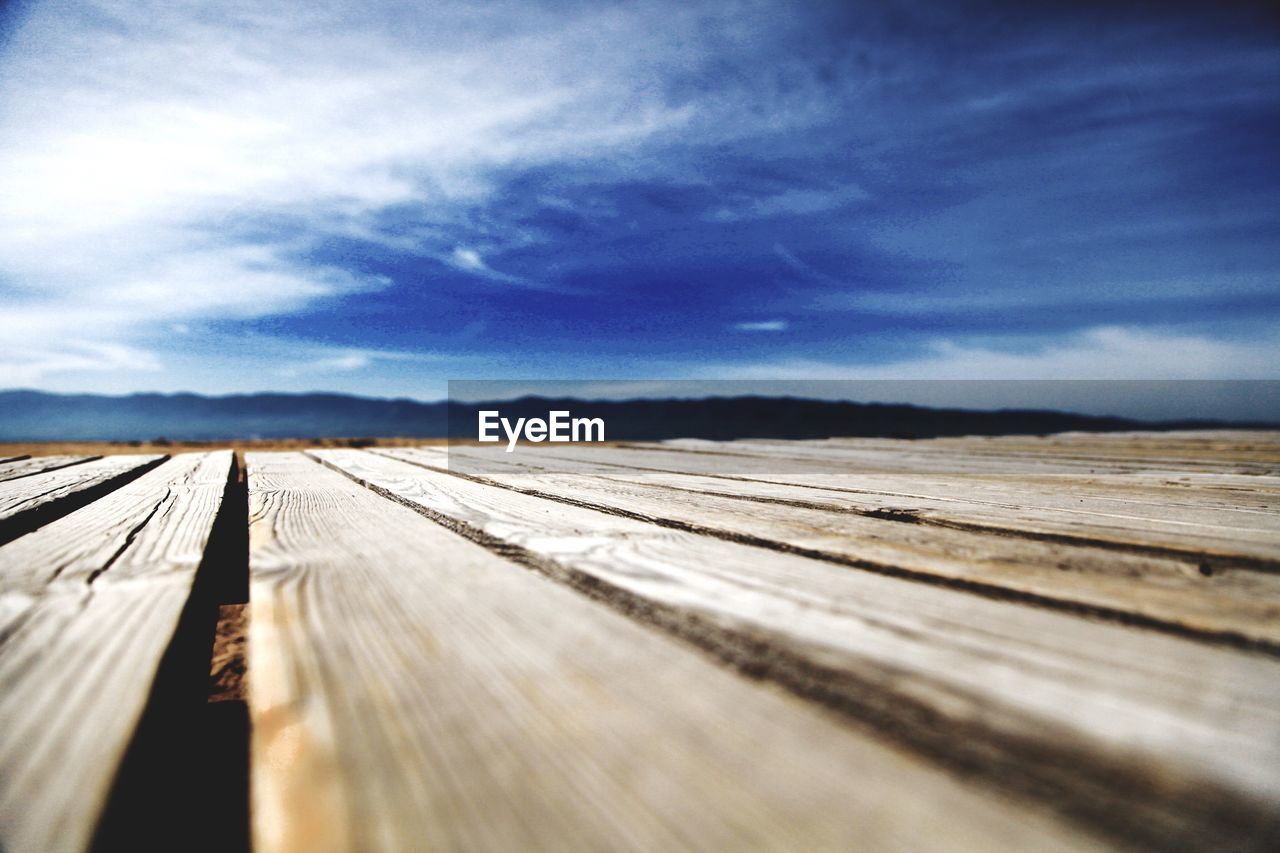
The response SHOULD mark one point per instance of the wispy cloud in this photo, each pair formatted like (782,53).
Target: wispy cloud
(799,201)
(324,362)
(29,366)
(807,271)
(1106,352)
(485,182)
(135,200)
(469,260)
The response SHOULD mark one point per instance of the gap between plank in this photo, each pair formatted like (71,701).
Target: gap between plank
(80,460)
(32,519)
(184,780)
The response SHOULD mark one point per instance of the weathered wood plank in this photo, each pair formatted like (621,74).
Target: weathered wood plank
(1185,594)
(1130,459)
(26,466)
(1131,478)
(1156,737)
(411,690)
(88,606)
(1229,463)
(28,502)
(1214,451)
(1065,508)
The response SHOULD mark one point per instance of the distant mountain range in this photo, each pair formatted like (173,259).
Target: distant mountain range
(37,416)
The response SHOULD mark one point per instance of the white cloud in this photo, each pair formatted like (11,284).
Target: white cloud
(1107,352)
(468,259)
(762,326)
(144,141)
(300,360)
(961,300)
(29,367)
(247,363)
(165,167)
(790,202)
(351,361)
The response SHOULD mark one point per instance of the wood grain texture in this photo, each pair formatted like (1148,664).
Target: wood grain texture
(88,606)
(1156,739)
(28,502)
(1123,504)
(1184,594)
(1127,460)
(26,466)
(1249,452)
(411,690)
(947,469)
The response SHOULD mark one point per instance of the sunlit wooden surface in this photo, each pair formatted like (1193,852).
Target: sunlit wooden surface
(961,644)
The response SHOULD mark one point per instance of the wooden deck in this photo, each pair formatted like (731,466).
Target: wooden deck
(1069,642)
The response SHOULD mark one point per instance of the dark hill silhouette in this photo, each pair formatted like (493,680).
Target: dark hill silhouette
(38,416)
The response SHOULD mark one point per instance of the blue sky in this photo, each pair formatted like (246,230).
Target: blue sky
(376,197)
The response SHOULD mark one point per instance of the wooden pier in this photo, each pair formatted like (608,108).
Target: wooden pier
(1062,642)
